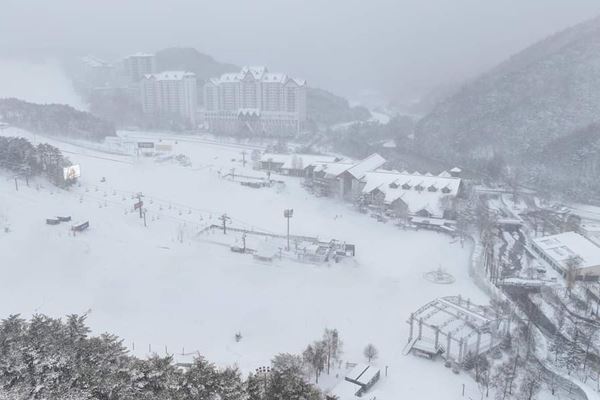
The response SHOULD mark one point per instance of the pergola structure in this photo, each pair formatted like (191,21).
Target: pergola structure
(454,327)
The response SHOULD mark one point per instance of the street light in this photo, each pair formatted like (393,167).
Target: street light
(287,214)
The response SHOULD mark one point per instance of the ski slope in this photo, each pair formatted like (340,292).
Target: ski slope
(163,288)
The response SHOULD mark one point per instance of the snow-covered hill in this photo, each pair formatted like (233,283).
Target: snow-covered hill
(546,92)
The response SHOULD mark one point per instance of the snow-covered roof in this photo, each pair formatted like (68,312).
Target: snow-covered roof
(362,374)
(256,71)
(249,112)
(94,62)
(333,169)
(418,192)
(292,161)
(566,245)
(270,77)
(259,73)
(457,316)
(371,163)
(456,169)
(170,75)
(140,54)
(427,346)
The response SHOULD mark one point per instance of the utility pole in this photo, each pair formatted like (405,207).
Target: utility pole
(288,213)
(16,184)
(244,158)
(224,219)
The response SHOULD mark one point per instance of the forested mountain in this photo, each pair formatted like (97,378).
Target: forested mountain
(571,162)
(324,107)
(54,119)
(545,94)
(190,59)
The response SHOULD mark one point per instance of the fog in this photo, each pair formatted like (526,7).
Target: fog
(393,48)
(176,228)
(38,82)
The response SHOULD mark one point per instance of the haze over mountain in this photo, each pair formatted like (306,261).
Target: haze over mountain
(324,107)
(519,109)
(395,48)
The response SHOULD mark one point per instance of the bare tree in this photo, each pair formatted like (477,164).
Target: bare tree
(531,382)
(504,377)
(589,333)
(315,356)
(371,352)
(333,346)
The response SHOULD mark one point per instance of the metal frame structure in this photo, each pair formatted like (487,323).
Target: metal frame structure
(455,327)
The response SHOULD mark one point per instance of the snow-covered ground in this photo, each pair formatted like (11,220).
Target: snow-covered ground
(153,288)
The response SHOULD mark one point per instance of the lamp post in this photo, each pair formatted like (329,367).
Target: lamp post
(288,213)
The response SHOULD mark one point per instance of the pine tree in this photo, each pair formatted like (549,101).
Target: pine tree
(232,387)
(287,380)
(201,381)
(254,387)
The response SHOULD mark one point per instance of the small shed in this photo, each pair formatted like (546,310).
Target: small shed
(365,376)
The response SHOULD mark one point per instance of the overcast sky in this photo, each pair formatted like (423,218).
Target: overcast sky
(395,47)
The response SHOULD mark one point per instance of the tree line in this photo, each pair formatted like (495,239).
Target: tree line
(48,358)
(24,159)
(54,119)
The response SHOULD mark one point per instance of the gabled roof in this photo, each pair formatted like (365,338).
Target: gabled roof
(259,73)
(333,169)
(371,163)
(290,161)
(414,199)
(274,78)
(256,71)
(249,112)
(170,75)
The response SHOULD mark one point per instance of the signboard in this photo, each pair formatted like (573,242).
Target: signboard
(138,205)
(289,213)
(71,172)
(145,145)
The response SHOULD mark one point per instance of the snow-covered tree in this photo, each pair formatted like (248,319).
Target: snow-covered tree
(315,356)
(370,352)
(333,346)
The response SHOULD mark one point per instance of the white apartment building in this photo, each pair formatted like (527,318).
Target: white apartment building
(137,65)
(256,101)
(170,93)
